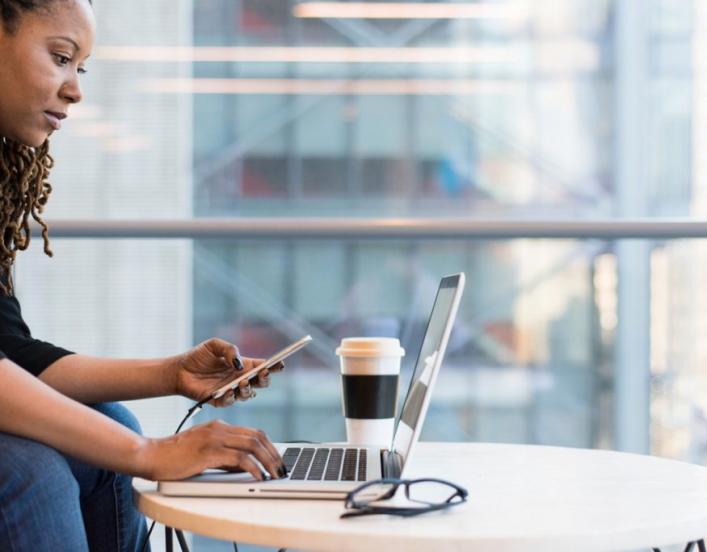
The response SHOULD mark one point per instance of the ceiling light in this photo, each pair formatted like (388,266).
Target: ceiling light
(362,87)
(405,10)
(304,54)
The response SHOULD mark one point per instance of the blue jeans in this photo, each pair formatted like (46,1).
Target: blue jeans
(49,501)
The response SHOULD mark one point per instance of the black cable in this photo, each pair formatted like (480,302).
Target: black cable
(193,411)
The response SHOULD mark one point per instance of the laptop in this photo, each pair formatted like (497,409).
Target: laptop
(333,470)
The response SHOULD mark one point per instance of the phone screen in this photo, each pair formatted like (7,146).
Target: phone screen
(267,363)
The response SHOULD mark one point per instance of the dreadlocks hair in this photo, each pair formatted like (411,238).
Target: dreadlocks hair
(24,170)
(24,191)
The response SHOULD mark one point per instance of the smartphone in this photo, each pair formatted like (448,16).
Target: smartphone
(250,374)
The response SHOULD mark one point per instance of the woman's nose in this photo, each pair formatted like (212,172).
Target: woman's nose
(72,90)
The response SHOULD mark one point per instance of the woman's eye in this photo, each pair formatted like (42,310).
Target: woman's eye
(64,60)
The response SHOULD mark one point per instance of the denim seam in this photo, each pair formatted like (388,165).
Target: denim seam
(6,523)
(120,522)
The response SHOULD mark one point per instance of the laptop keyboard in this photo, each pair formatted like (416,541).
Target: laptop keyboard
(326,464)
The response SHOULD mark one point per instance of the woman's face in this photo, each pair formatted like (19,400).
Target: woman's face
(40,64)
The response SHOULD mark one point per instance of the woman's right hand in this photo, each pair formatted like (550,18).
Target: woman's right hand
(215,444)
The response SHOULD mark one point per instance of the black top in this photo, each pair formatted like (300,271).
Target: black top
(17,344)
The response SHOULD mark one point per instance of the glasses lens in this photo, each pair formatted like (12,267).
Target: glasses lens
(431,492)
(373,493)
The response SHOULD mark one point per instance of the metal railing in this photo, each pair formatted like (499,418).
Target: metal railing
(379,228)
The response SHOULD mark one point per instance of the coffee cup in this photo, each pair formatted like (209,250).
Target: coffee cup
(370,376)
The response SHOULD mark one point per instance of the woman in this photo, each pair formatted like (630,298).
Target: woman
(65,467)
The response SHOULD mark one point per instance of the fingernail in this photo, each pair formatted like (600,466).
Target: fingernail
(230,399)
(253,395)
(238,363)
(265,379)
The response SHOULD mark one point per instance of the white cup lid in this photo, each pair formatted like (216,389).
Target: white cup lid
(370,346)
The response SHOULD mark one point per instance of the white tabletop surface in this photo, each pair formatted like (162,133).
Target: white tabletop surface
(521,497)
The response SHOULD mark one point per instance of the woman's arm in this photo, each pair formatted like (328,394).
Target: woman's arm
(193,374)
(34,410)
(92,380)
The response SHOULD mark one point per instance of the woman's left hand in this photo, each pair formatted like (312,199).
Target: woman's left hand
(212,364)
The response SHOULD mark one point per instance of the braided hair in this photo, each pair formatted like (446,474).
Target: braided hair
(23,192)
(24,170)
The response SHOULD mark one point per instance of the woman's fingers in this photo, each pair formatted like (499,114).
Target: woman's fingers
(227,351)
(265,442)
(279,367)
(249,465)
(245,391)
(257,444)
(264,376)
(229,399)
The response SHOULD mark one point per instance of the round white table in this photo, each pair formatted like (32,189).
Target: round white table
(521,497)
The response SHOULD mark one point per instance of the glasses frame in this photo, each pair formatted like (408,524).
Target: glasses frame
(362,508)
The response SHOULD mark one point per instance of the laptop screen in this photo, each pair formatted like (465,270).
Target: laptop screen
(429,360)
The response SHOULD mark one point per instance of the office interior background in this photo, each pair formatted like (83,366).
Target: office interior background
(511,111)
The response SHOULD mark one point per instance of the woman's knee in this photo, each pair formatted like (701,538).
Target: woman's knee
(39,498)
(120,414)
(33,474)
(25,463)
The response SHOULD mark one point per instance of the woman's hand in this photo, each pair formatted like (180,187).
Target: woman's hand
(212,364)
(212,445)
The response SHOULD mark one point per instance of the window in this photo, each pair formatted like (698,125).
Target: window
(547,112)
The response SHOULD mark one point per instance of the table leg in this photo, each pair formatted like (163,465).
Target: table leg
(690,545)
(168,539)
(182,541)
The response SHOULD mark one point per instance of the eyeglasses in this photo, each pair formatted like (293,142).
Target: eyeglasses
(431,494)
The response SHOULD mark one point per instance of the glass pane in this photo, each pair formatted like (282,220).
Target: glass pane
(535,355)
(521,364)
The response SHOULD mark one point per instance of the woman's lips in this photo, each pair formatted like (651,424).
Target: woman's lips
(54,119)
